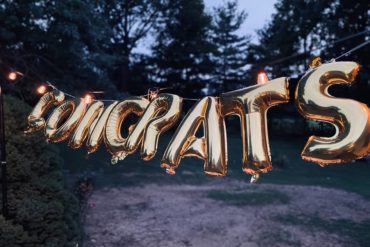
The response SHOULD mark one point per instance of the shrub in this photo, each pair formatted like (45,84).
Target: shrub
(41,211)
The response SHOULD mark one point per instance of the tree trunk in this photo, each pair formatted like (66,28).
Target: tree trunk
(125,73)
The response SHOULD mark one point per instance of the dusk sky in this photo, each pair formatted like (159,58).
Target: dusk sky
(259,13)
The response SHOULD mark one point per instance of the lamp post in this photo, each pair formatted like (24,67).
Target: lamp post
(12,76)
(4,182)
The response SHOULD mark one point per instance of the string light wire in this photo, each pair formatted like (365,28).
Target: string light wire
(279,60)
(353,49)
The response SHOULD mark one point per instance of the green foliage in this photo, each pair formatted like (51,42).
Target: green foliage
(287,126)
(42,211)
(295,28)
(12,234)
(182,48)
(344,19)
(280,161)
(59,41)
(230,55)
(130,22)
(300,29)
(83,45)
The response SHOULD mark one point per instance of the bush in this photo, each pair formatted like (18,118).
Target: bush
(42,212)
(280,161)
(287,126)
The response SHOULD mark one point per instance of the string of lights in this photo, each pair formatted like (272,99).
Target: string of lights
(261,77)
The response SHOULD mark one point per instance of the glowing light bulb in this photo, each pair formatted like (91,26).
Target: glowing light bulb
(12,76)
(88,98)
(262,78)
(153,93)
(41,89)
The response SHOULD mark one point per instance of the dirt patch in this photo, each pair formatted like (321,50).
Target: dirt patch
(220,214)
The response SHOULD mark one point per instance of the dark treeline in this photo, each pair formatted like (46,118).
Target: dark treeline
(85,45)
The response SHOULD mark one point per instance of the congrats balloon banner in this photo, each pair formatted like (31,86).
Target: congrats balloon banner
(92,124)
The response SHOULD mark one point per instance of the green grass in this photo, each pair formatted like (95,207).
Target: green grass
(289,168)
(283,237)
(352,177)
(249,198)
(359,232)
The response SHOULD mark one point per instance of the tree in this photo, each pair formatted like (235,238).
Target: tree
(344,19)
(42,212)
(300,29)
(131,21)
(287,41)
(182,49)
(59,41)
(230,55)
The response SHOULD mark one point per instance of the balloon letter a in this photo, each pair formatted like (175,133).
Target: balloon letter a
(251,105)
(211,148)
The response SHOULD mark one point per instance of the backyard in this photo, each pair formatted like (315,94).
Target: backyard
(135,203)
(78,71)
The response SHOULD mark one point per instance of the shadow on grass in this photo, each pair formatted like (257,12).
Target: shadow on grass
(359,232)
(250,198)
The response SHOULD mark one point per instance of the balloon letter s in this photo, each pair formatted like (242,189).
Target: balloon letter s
(350,118)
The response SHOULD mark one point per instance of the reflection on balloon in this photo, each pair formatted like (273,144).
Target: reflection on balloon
(251,105)
(350,118)
(97,130)
(114,141)
(212,148)
(171,105)
(155,108)
(89,119)
(35,119)
(73,111)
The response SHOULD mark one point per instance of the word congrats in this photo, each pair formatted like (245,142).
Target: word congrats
(91,123)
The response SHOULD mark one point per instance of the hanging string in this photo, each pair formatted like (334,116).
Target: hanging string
(353,49)
(54,87)
(280,60)
(191,99)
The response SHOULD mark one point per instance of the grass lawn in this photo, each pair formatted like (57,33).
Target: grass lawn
(134,171)
(249,198)
(356,231)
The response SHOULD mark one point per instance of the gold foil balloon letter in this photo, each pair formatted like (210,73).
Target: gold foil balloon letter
(161,114)
(212,148)
(88,121)
(35,119)
(350,118)
(73,111)
(171,105)
(98,129)
(251,105)
(114,141)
